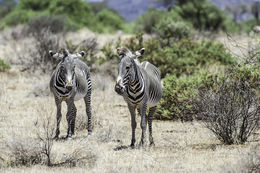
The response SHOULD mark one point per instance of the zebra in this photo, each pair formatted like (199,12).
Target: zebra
(140,86)
(70,82)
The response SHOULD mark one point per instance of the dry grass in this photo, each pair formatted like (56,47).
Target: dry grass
(179,147)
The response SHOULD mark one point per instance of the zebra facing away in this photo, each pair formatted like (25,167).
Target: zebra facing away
(140,85)
(70,82)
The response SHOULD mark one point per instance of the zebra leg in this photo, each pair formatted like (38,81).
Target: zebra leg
(71,116)
(150,118)
(87,100)
(143,123)
(133,124)
(58,106)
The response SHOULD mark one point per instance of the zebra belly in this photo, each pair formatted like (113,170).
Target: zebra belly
(79,95)
(151,103)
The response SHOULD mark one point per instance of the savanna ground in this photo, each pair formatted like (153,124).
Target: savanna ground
(25,102)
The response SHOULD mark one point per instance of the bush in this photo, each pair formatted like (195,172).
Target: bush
(170,31)
(108,21)
(4,66)
(77,11)
(176,102)
(6,7)
(54,24)
(35,5)
(17,17)
(44,42)
(149,20)
(231,109)
(186,57)
(202,14)
(89,46)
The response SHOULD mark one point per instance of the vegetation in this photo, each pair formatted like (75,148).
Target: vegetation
(230,108)
(74,15)
(4,66)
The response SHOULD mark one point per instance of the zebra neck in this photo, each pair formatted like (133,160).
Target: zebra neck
(136,88)
(60,87)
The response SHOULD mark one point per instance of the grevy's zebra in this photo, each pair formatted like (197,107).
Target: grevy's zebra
(71,81)
(140,85)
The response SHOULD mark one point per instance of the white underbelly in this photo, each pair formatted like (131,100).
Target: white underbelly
(79,96)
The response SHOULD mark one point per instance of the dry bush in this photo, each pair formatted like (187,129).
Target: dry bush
(231,110)
(46,138)
(45,41)
(77,158)
(89,46)
(21,152)
(55,24)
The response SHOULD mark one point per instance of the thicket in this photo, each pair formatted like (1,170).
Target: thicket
(74,14)
(230,107)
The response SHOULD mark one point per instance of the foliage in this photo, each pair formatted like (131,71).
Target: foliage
(186,56)
(170,31)
(6,7)
(35,5)
(4,66)
(74,14)
(177,97)
(147,21)
(202,14)
(108,21)
(230,109)
(77,11)
(54,24)
(17,17)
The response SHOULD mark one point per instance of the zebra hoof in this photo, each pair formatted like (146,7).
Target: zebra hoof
(152,144)
(56,138)
(68,137)
(132,146)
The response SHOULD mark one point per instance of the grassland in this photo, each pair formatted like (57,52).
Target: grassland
(25,101)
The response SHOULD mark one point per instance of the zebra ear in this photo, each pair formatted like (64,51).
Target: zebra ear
(55,55)
(82,53)
(139,53)
(78,55)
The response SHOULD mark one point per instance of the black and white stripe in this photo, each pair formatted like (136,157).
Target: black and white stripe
(141,89)
(70,82)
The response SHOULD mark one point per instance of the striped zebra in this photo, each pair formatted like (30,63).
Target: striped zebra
(70,82)
(140,86)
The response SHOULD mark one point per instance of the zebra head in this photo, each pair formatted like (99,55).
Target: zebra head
(126,68)
(66,69)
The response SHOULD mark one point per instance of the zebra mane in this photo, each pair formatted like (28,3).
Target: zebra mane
(123,51)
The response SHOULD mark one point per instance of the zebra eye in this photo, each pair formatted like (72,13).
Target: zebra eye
(127,68)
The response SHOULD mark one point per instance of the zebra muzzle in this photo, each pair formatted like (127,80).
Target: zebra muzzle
(119,89)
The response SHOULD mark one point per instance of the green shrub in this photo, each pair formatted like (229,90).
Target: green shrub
(6,7)
(35,5)
(4,66)
(202,14)
(170,31)
(186,57)
(177,97)
(180,94)
(77,11)
(17,17)
(147,21)
(108,21)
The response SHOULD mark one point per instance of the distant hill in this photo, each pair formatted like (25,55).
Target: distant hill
(131,9)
